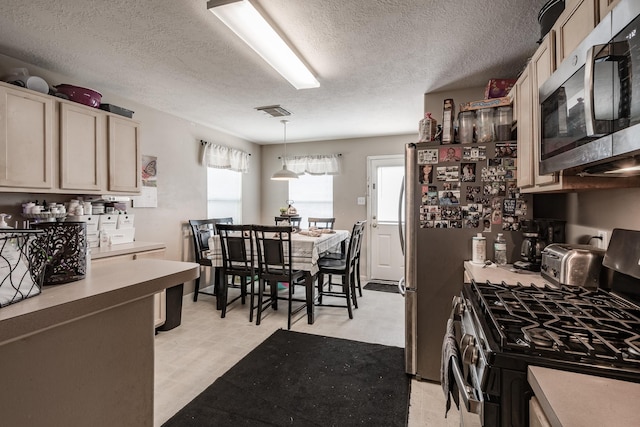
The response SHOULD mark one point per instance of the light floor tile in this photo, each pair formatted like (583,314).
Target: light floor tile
(190,357)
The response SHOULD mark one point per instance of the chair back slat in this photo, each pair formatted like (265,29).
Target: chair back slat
(322,223)
(237,247)
(274,249)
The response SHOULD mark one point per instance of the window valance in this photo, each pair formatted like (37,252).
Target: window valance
(317,164)
(221,157)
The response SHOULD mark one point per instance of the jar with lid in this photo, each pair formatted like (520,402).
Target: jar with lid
(504,120)
(484,125)
(465,130)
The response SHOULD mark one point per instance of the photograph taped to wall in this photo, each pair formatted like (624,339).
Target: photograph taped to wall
(506,149)
(468,172)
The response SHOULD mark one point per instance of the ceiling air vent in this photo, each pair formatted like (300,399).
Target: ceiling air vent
(274,110)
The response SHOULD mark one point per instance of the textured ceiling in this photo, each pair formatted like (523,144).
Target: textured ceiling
(374,58)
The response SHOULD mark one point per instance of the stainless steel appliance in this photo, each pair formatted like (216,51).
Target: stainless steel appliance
(434,257)
(503,329)
(590,106)
(572,265)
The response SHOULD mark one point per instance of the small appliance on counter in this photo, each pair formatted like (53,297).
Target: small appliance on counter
(572,265)
(531,249)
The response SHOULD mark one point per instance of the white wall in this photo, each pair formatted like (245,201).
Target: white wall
(347,187)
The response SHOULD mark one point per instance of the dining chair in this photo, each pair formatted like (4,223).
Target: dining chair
(326,223)
(273,244)
(344,267)
(201,230)
(236,242)
(294,221)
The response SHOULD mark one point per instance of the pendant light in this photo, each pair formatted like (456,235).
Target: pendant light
(284,174)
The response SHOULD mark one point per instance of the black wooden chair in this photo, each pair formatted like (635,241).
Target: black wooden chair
(345,267)
(201,230)
(273,244)
(322,223)
(294,221)
(238,254)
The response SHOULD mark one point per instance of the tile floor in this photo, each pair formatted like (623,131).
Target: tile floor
(190,357)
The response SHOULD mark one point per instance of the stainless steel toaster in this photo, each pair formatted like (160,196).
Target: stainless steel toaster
(572,264)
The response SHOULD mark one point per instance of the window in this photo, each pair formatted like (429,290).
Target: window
(388,192)
(312,195)
(224,194)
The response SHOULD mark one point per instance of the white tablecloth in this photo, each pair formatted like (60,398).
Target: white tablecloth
(306,249)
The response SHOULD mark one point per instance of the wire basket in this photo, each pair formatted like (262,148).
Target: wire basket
(65,244)
(22,264)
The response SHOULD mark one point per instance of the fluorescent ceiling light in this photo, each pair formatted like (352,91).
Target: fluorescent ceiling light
(244,20)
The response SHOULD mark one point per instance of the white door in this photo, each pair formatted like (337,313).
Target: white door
(385,175)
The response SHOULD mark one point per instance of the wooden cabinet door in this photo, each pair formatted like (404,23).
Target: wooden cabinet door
(543,65)
(26,139)
(606,6)
(82,148)
(573,25)
(523,112)
(124,156)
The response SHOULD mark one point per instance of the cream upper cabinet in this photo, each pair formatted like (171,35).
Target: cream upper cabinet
(605,7)
(573,25)
(124,155)
(523,104)
(26,139)
(543,65)
(82,147)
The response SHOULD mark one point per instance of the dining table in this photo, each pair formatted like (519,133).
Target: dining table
(307,247)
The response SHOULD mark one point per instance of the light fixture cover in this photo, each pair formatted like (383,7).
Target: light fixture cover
(284,174)
(244,20)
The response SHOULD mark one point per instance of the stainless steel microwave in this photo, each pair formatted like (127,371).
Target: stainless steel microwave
(590,106)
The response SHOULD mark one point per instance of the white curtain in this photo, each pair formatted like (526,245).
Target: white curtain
(221,157)
(319,164)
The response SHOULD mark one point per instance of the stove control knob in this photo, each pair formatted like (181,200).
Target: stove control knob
(470,354)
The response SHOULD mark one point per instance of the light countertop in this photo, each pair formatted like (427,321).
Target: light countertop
(578,400)
(103,287)
(125,249)
(498,274)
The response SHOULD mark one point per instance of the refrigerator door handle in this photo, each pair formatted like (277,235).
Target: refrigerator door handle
(401,287)
(400,230)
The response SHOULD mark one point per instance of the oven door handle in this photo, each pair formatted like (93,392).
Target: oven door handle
(471,404)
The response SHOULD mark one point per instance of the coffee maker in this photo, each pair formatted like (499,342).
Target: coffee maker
(537,234)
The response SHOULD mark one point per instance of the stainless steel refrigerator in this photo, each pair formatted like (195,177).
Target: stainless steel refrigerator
(445,206)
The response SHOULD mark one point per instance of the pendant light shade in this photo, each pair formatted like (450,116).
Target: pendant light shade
(284,174)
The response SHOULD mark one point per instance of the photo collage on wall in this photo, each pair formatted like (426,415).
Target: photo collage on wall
(470,186)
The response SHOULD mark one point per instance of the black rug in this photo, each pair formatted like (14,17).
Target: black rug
(383,287)
(300,379)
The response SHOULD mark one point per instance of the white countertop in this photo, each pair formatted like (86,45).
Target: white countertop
(577,400)
(105,286)
(124,249)
(507,274)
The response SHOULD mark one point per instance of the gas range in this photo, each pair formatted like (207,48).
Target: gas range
(502,329)
(575,328)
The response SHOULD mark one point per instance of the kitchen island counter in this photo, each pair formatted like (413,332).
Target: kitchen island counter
(570,399)
(81,353)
